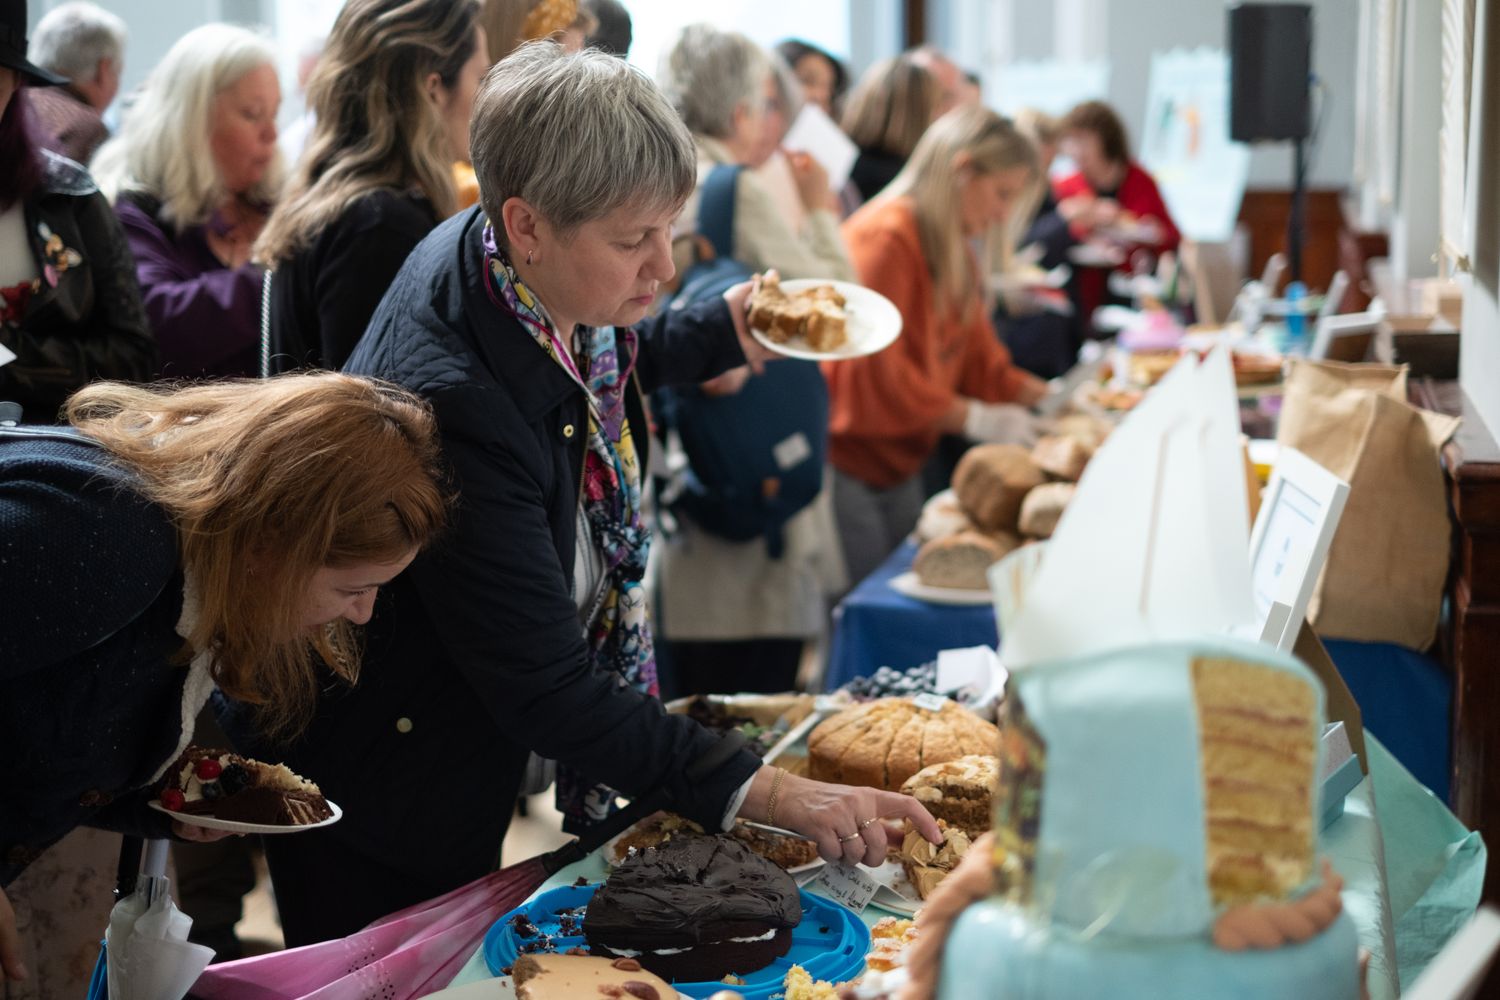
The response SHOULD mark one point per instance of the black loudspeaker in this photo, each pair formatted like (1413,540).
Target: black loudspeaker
(1270,64)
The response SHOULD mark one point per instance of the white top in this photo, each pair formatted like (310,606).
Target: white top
(17,265)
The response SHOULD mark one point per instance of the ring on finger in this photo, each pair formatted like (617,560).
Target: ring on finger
(866,824)
(853,836)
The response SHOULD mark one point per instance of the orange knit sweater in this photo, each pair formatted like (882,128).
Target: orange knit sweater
(885,409)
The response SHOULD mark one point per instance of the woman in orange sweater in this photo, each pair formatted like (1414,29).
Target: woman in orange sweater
(948,373)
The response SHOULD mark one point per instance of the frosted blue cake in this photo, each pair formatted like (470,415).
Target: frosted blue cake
(1144,793)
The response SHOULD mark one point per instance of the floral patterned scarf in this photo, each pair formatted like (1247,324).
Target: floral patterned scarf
(619,633)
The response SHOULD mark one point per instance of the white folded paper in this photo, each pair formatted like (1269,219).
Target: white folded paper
(814,133)
(1152,546)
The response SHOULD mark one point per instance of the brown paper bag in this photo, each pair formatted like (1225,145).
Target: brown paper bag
(1383,581)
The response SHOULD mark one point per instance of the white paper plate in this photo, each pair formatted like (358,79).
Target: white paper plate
(896,892)
(908,584)
(234,826)
(874,322)
(1095,255)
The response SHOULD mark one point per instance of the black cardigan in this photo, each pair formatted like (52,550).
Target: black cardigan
(90,689)
(322,297)
(476,655)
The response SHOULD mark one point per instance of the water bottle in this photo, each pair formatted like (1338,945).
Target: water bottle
(1296,319)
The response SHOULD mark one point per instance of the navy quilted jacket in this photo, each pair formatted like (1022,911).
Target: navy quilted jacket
(90,690)
(475,655)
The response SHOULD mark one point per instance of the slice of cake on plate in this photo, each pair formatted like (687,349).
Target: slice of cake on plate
(217,783)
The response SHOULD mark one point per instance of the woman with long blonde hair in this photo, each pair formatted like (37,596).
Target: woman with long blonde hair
(228,534)
(392,95)
(192,174)
(948,373)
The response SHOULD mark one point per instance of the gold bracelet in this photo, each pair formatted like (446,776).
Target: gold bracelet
(775,793)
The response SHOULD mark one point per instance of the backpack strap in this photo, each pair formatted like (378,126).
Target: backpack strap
(716,207)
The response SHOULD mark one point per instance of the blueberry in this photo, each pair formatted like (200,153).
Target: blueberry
(234,779)
(212,790)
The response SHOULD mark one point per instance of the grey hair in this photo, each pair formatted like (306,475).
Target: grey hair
(709,73)
(576,136)
(162,148)
(73,38)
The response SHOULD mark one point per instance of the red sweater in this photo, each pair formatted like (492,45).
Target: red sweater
(885,409)
(1139,195)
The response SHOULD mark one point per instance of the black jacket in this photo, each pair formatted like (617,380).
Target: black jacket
(89,323)
(322,297)
(476,655)
(90,687)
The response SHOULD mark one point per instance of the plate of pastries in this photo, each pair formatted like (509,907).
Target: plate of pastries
(818,320)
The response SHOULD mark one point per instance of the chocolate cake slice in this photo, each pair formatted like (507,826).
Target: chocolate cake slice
(224,785)
(695,910)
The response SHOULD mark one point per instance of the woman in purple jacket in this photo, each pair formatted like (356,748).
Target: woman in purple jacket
(192,176)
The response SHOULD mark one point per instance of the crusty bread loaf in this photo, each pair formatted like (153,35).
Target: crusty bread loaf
(959,561)
(991,480)
(941,516)
(1043,507)
(1087,430)
(882,743)
(1061,457)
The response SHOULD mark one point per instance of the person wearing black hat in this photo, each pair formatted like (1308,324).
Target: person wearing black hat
(70,309)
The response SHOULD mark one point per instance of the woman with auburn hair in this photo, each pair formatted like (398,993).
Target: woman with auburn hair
(392,95)
(1108,190)
(192,174)
(228,534)
(885,115)
(948,373)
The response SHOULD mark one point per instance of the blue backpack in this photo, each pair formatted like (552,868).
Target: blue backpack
(755,458)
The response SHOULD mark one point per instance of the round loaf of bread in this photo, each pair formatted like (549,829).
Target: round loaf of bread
(1061,457)
(882,743)
(959,561)
(941,516)
(1043,507)
(991,480)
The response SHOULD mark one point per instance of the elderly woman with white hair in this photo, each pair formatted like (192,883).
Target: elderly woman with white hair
(721,83)
(192,176)
(526,629)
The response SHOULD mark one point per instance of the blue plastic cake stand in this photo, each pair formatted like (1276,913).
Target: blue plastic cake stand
(830,943)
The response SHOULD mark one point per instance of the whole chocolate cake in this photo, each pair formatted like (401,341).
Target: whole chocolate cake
(695,910)
(225,785)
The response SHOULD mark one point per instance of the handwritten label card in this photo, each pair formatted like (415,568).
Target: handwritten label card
(848,885)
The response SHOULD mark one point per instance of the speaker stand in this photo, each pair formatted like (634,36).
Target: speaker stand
(1294,227)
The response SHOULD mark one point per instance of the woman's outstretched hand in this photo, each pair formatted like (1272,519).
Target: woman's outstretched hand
(849,824)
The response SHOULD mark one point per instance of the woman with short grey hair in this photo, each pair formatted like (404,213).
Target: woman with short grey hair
(526,630)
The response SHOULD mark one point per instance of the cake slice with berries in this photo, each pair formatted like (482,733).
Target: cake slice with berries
(207,782)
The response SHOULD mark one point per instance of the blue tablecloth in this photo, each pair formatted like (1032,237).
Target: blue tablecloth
(1404,696)
(876,627)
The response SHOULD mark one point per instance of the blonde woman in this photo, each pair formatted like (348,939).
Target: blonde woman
(228,534)
(886,115)
(392,95)
(949,373)
(192,175)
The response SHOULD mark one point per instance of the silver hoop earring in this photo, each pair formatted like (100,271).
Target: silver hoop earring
(528,256)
